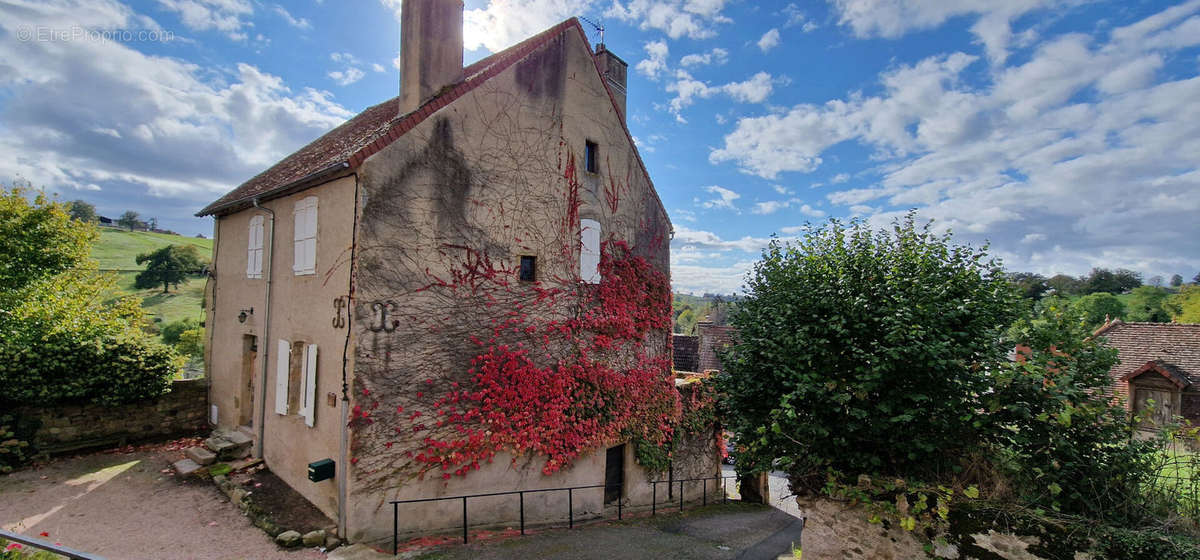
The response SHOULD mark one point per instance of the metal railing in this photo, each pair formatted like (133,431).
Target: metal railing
(570,490)
(43,545)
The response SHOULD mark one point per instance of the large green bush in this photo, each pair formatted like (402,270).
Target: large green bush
(865,352)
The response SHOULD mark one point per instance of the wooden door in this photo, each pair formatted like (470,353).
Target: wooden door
(1159,402)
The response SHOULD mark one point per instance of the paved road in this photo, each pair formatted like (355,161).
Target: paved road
(122,506)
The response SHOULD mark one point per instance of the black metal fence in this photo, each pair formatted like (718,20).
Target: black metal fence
(570,491)
(43,545)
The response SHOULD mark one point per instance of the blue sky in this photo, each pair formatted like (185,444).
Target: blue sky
(1064,132)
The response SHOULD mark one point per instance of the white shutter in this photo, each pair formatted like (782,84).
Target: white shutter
(589,251)
(283,364)
(255,250)
(304,256)
(309,408)
(310,244)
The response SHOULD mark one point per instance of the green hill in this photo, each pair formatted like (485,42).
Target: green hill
(117,251)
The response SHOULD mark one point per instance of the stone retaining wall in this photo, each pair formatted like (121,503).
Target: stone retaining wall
(63,429)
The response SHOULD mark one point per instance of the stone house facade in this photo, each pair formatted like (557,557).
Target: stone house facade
(1159,369)
(439,294)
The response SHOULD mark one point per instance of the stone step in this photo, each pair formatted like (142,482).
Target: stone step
(201,455)
(229,446)
(186,467)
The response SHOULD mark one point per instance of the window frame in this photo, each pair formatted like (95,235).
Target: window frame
(532,260)
(591,156)
(254,250)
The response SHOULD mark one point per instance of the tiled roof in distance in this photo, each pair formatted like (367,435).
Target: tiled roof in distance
(1175,344)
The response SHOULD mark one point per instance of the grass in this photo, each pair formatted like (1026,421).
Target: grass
(117,250)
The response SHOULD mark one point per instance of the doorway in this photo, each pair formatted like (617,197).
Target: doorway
(245,401)
(614,474)
(1157,404)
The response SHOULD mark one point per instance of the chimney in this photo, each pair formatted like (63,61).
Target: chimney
(431,49)
(614,70)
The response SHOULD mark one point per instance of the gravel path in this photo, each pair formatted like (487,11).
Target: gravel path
(121,505)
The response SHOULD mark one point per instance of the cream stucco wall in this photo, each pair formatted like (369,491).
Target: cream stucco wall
(301,310)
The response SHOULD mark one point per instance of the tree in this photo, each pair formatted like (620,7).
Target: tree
(129,219)
(82,211)
(1176,281)
(862,351)
(1099,307)
(1196,278)
(39,239)
(1029,284)
(1127,279)
(1064,285)
(1156,281)
(1148,304)
(168,266)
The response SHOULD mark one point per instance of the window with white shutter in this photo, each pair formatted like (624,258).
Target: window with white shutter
(254,255)
(283,366)
(589,251)
(305,254)
(308,407)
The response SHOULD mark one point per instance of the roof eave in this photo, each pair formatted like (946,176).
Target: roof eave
(313,179)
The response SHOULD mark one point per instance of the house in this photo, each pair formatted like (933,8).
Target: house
(461,290)
(699,353)
(1159,369)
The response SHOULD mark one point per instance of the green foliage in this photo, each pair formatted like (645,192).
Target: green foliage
(171,331)
(1176,281)
(1064,285)
(191,343)
(1112,281)
(1060,439)
(129,220)
(1185,305)
(82,211)
(1030,285)
(1149,304)
(865,351)
(1096,308)
(64,344)
(168,266)
(37,239)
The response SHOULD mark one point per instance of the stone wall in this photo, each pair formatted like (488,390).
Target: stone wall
(686,350)
(70,428)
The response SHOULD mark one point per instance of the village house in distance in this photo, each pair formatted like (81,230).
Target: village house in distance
(461,290)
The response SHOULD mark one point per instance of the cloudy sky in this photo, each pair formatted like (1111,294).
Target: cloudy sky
(1065,132)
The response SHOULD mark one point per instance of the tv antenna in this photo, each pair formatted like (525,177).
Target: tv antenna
(597,26)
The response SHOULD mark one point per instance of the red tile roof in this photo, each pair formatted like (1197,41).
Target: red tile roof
(348,145)
(1175,345)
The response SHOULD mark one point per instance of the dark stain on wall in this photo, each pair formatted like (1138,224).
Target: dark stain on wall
(541,73)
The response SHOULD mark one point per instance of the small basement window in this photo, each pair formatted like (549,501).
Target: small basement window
(592,157)
(528,269)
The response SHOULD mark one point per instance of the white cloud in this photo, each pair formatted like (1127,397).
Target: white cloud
(709,241)
(298,23)
(375,66)
(676,18)
(840,178)
(226,16)
(688,89)
(87,114)
(769,40)
(769,207)
(781,189)
(772,206)
(715,57)
(891,19)
(724,199)
(1061,160)
(656,62)
(347,76)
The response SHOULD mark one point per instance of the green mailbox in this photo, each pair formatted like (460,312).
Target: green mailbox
(320,470)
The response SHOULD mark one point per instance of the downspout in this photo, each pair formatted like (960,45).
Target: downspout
(266,342)
(210,309)
(345,439)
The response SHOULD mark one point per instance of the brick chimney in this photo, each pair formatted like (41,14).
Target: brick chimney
(431,49)
(614,71)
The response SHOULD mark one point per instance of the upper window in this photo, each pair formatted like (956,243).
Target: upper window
(592,157)
(589,251)
(305,214)
(528,268)
(254,254)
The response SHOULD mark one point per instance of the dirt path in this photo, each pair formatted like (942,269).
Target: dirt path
(122,506)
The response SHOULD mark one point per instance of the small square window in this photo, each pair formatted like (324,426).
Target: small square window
(592,157)
(528,269)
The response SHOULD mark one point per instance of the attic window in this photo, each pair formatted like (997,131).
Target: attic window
(528,269)
(592,157)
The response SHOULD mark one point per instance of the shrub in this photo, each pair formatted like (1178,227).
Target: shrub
(191,343)
(865,351)
(172,331)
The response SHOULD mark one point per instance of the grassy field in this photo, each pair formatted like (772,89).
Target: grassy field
(117,250)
